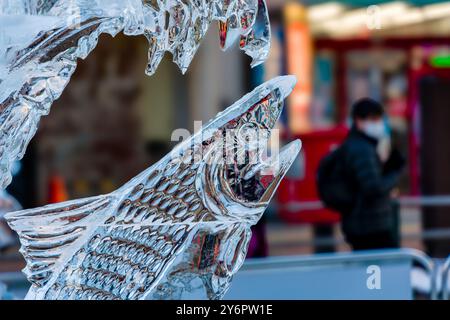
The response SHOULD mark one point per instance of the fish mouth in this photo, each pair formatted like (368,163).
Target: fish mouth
(254,181)
(258,183)
(239,179)
(277,167)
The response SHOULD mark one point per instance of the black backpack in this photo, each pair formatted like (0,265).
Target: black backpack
(332,183)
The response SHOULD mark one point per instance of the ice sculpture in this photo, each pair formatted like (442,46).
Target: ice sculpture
(40,41)
(179,229)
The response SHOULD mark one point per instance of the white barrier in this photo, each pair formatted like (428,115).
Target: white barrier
(332,276)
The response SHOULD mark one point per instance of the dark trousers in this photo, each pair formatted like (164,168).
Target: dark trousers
(323,238)
(379,240)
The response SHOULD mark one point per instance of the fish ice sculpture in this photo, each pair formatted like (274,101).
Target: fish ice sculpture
(178,230)
(41,40)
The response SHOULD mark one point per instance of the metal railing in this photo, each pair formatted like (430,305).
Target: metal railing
(405,201)
(445,274)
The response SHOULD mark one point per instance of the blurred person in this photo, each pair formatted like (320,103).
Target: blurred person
(359,179)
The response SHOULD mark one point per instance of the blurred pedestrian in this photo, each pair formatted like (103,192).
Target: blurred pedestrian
(358,180)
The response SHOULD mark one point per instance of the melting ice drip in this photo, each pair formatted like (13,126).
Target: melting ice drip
(180,229)
(41,40)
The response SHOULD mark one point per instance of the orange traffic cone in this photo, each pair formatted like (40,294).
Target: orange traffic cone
(57,190)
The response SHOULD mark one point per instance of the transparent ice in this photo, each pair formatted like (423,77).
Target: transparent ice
(178,230)
(41,40)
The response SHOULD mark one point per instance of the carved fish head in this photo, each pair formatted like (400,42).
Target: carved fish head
(235,177)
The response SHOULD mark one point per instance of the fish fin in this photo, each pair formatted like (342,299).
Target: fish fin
(46,232)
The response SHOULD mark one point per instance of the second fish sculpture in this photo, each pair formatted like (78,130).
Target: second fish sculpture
(179,230)
(42,40)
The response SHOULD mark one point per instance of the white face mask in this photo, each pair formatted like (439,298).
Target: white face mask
(375,129)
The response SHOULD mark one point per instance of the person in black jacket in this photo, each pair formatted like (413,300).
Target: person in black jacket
(372,221)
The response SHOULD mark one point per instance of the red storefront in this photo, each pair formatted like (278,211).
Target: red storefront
(401,73)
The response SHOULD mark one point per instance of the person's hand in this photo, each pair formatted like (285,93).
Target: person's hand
(395,193)
(395,162)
